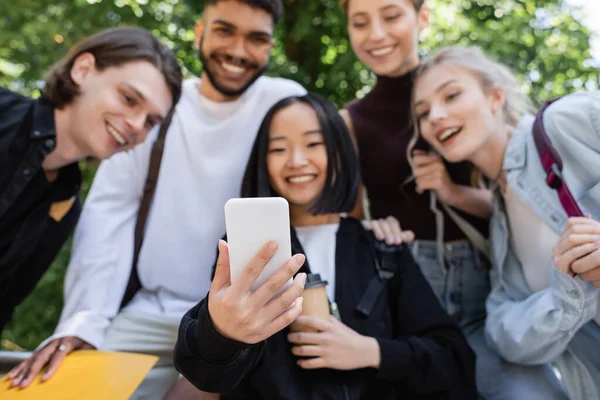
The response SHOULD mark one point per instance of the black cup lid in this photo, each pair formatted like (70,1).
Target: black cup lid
(314,280)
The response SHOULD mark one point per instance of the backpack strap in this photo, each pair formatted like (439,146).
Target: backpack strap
(385,262)
(134,284)
(552,164)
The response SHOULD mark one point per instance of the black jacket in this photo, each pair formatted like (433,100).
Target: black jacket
(423,352)
(32,230)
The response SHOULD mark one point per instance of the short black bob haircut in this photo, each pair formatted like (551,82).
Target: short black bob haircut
(343,176)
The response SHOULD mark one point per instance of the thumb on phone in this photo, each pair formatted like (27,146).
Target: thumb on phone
(222,273)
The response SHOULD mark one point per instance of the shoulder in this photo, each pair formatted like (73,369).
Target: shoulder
(11,101)
(278,88)
(574,120)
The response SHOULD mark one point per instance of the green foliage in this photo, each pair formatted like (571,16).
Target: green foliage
(541,40)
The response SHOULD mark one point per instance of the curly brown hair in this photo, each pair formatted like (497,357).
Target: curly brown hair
(112,48)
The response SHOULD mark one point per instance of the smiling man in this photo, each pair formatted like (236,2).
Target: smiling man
(108,304)
(103,97)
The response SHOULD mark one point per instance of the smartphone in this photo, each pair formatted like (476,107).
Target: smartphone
(252,222)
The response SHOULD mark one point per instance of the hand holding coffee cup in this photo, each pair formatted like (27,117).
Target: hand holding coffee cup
(315,302)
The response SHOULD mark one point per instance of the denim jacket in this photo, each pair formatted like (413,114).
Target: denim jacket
(536,328)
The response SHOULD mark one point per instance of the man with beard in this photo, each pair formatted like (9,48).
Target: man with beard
(205,154)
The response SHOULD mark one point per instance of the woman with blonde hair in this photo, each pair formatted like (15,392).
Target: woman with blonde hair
(543,308)
(385,34)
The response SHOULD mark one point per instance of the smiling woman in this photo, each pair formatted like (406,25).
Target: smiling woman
(391,338)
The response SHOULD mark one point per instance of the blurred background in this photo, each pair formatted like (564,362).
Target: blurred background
(553,46)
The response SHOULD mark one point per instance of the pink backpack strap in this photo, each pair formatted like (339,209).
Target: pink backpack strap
(552,164)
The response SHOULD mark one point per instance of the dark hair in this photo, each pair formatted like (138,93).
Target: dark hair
(341,183)
(344,5)
(273,7)
(112,48)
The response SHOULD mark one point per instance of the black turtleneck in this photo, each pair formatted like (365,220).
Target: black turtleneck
(383,128)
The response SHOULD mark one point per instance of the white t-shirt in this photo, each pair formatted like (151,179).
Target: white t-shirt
(319,244)
(533,241)
(205,155)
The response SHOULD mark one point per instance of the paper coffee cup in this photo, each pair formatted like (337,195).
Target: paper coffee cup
(315,302)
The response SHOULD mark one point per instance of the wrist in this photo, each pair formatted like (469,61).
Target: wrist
(372,352)
(453,196)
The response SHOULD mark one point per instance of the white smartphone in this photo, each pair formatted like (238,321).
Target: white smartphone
(252,222)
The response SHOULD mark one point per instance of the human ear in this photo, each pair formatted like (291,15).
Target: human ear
(423,17)
(198,33)
(83,65)
(497,99)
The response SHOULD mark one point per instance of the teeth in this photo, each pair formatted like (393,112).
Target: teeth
(448,133)
(120,139)
(301,179)
(383,51)
(233,68)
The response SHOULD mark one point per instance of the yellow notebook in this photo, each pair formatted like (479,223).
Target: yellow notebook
(89,375)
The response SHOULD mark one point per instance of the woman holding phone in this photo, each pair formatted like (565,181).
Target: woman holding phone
(401,343)
(544,304)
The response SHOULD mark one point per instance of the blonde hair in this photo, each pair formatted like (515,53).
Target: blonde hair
(490,73)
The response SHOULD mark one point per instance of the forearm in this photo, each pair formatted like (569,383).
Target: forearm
(477,202)
(207,359)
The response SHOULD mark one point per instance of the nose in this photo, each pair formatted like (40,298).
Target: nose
(136,122)
(437,112)
(238,49)
(298,158)
(377,31)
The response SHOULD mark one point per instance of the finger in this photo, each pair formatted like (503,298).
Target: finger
(282,302)
(314,323)
(427,170)
(421,160)
(586,263)
(396,229)
(17,370)
(57,358)
(271,288)
(428,183)
(565,261)
(367,224)
(252,270)
(569,242)
(591,275)
(301,338)
(572,221)
(222,272)
(589,226)
(36,365)
(284,319)
(377,231)
(308,351)
(312,363)
(407,236)
(387,231)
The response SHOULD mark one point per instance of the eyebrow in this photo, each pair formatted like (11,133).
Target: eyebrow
(233,27)
(311,132)
(440,88)
(363,13)
(139,94)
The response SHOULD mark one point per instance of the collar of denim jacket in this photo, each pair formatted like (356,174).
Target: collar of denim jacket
(516,149)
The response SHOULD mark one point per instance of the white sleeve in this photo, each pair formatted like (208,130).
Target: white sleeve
(103,247)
